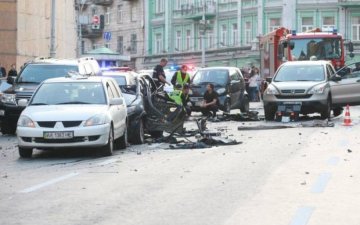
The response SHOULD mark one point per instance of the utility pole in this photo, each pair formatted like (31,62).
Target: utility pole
(52,35)
(203,37)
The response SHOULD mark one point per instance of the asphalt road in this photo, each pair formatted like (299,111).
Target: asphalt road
(291,176)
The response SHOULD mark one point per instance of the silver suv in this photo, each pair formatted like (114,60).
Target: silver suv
(307,83)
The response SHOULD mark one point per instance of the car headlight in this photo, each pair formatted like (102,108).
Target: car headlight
(25,121)
(221,91)
(96,120)
(8,98)
(318,89)
(271,90)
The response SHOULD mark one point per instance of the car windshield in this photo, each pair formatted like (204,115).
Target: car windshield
(300,73)
(217,76)
(69,93)
(322,48)
(37,73)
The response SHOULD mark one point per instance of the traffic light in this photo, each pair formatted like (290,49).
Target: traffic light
(102,21)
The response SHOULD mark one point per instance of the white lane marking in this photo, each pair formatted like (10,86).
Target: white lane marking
(302,215)
(48,183)
(333,161)
(106,162)
(321,183)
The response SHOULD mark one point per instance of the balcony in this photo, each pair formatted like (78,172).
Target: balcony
(82,4)
(349,2)
(103,2)
(197,10)
(91,31)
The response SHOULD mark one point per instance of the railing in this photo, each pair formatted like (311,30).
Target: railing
(103,2)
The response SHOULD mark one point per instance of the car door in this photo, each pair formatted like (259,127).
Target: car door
(347,90)
(116,111)
(235,87)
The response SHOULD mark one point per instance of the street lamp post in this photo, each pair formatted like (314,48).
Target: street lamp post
(203,30)
(79,42)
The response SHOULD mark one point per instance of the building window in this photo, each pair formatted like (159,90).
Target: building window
(133,13)
(133,43)
(307,23)
(178,41)
(120,44)
(355,27)
(248,33)
(120,13)
(223,35)
(234,34)
(158,43)
(328,23)
(107,45)
(188,39)
(107,16)
(178,4)
(274,23)
(211,40)
(159,6)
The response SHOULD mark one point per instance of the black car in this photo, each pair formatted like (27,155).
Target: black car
(229,84)
(148,108)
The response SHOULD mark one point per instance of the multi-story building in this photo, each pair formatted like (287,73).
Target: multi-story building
(25,30)
(121,27)
(174,28)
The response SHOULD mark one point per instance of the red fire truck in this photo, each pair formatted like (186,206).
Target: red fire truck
(284,45)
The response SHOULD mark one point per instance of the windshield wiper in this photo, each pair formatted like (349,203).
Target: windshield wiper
(39,103)
(74,102)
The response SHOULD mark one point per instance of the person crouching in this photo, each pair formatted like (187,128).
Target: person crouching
(209,106)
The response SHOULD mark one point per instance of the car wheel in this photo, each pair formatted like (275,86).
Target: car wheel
(245,105)
(269,113)
(122,142)
(325,114)
(25,152)
(137,136)
(337,111)
(108,149)
(156,134)
(227,106)
(8,127)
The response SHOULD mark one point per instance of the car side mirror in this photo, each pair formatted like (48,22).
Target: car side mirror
(269,79)
(23,102)
(116,101)
(336,78)
(10,80)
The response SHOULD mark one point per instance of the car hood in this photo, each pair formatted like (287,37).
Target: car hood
(21,87)
(298,85)
(63,112)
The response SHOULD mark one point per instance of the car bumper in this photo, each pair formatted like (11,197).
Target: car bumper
(312,104)
(94,136)
(10,112)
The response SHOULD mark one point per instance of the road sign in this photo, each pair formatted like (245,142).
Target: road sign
(107,36)
(95,26)
(96,19)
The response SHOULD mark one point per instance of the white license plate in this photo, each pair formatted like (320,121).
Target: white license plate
(292,103)
(285,119)
(59,135)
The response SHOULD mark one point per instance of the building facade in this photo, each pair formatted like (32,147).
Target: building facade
(25,30)
(121,27)
(232,28)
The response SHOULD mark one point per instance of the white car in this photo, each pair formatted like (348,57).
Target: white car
(74,111)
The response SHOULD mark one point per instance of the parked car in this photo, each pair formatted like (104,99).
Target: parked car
(229,84)
(73,112)
(307,83)
(29,78)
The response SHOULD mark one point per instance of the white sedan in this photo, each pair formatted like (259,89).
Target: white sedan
(74,111)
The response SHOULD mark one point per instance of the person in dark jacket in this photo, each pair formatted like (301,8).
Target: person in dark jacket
(211,101)
(159,74)
(12,71)
(2,71)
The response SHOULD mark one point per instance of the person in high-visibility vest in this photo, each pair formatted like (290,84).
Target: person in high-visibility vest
(181,77)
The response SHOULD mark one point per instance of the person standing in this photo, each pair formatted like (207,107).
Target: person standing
(2,71)
(159,74)
(254,84)
(12,71)
(209,106)
(181,77)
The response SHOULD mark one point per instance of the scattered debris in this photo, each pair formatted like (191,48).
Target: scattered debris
(349,151)
(303,183)
(307,173)
(315,123)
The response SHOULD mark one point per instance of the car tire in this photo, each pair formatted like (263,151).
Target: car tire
(108,149)
(8,127)
(326,113)
(122,142)
(137,136)
(245,104)
(156,134)
(269,113)
(25,152)
(227,106)
(337,111)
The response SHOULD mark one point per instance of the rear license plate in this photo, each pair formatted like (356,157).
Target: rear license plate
(285,119)
(292,103)
(59,135)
